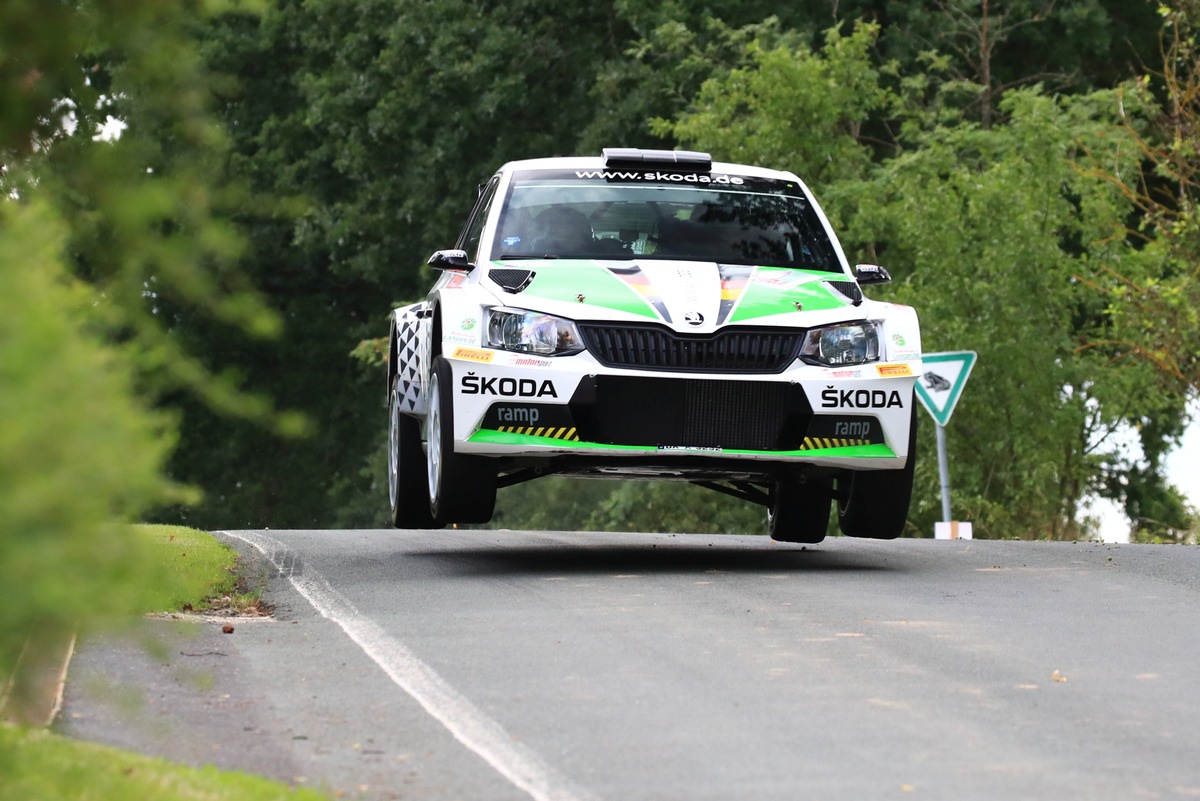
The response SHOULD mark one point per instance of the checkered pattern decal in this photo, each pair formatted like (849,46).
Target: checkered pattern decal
(409,336)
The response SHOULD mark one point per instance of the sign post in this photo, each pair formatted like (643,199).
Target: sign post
(939,389)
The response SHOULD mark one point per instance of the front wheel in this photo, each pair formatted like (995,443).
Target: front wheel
(874,503)
(462,488)
(409,506)
(798,512)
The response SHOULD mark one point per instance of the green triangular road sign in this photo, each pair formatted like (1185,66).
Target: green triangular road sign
(942,382)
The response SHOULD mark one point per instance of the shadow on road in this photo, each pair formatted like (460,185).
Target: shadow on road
(580,558)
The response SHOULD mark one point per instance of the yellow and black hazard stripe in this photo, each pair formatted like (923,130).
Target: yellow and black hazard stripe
(542,431)
(817,443)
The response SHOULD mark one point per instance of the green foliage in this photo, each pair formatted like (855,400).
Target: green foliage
(194,565)
(385,120)
(1155,298)
(147,213)
(992,231)
(790,105)
(104,245)
(38,764)
(79,454)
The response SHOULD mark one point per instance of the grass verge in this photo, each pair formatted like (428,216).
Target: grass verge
(36,764)
(199,573)
(195,572)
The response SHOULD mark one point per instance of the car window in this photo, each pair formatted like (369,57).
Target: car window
(757,222)
(473,232)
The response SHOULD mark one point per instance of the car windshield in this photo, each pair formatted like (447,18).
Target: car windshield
(597,214)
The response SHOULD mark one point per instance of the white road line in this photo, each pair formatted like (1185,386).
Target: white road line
(469,725)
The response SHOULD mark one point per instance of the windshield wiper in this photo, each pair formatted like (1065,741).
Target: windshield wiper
(517,256)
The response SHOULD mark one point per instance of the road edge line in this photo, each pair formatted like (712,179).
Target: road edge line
(468,724)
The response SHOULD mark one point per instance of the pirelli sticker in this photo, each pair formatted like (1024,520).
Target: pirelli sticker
(893,370)
(473,355)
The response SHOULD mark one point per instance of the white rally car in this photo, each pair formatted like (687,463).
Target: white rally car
(654,314)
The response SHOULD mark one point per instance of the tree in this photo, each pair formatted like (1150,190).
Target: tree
(94,234)
(79,453)
(369,125)
(380,120)
(988,229)
(1154,297)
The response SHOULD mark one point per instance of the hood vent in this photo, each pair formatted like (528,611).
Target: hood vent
(847,289)
(512,279)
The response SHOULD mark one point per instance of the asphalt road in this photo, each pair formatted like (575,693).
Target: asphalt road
(518,665)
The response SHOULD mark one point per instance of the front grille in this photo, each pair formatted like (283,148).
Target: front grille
(652,347)
(694,413)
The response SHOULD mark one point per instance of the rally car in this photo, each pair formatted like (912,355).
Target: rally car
(654,315)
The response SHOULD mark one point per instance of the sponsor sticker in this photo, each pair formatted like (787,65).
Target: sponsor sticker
(507,387)
(843,431)
(473,355)
(526,417)
(673,177)
(852,428)
(519,414)
(529,361)
(893,370)
(833,398)
(467,324)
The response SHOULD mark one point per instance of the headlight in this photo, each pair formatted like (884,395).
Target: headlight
(532,332)
(836,345)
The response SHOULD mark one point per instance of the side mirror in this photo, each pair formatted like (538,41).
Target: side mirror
(450,260)
(868,274)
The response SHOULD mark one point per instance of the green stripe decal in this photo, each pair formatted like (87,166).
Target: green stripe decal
(485,435)
(569,280)
(777,290)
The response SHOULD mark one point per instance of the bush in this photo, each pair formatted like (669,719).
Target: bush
(80,456)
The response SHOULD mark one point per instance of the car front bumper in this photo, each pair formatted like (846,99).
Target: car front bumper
(508,404)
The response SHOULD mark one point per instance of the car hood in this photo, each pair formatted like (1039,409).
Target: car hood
(688,296)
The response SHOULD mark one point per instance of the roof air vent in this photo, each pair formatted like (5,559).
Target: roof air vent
(681,160)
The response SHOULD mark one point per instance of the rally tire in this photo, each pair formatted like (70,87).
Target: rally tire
(798,512)
(461,488)
(408,501)
(874,503)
